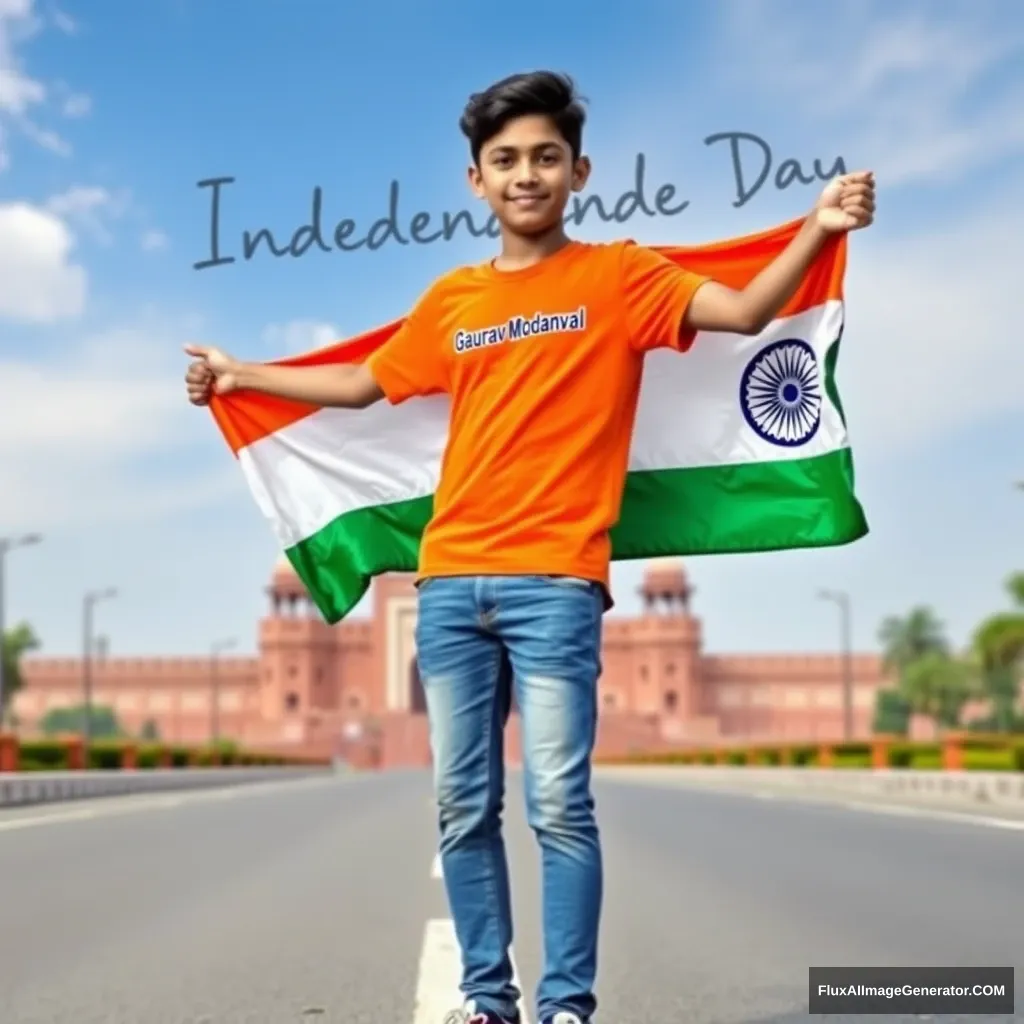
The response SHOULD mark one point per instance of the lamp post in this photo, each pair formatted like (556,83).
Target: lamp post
(8,544)
(842,600)
(215,651)
(89,602)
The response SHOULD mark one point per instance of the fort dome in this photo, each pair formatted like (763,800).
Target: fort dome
(285,582)
(665,581)
(283,569)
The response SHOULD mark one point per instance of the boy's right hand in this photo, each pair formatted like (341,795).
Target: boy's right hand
(212,372)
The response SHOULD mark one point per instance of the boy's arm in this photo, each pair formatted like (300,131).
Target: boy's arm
(848,203)
(343,386)
(717,307)
(409,363)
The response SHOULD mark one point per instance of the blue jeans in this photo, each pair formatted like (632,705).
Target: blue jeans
(479,640)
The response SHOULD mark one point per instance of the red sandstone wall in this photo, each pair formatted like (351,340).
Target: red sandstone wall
(788,696)
(357,664)
(656,688)
(175,693)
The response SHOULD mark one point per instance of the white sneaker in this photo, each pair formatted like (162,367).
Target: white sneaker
(469,1014)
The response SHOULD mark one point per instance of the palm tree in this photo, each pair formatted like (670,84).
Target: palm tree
(930,681)
(998,645)
(906,638)
(14,644)
(1015,588)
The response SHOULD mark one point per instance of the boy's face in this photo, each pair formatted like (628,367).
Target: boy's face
(526,173)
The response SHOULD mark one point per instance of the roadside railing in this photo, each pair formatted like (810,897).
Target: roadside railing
(952,752)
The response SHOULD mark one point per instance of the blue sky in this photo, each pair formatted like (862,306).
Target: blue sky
(110,115)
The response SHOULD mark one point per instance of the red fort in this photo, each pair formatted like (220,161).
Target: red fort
(352,690)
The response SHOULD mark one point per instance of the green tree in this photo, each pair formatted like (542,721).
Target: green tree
(14,645)
(149,732)
(892,713)
(906,638)
(103,722)
(998,647)
(938,685)
(931,679)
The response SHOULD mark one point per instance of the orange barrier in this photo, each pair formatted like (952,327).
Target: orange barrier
(68,753)
(953,752)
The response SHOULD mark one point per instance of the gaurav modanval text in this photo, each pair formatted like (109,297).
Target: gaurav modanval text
(665,203)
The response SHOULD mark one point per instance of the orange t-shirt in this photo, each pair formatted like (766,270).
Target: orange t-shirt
(543,369)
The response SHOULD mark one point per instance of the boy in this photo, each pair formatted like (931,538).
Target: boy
(514,566)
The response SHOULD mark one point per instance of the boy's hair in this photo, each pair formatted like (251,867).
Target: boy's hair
(534,92)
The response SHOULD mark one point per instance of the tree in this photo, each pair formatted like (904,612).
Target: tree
(939,685)
(932,680)
(906,638)
(892,712)
(14,645)
(103,722)
(998,646)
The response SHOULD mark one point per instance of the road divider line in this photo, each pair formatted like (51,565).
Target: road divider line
(440,974)
(838,800)
(46,819)
(437,986)
(937,814)
(109,807)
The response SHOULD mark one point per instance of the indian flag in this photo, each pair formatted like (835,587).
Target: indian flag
(740,445)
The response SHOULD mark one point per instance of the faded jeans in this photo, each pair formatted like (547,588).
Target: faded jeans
(477,637)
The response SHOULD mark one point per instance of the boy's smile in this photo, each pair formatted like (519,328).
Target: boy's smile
(526,172)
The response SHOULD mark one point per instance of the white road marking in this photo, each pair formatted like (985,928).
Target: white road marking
(836,800)
(937,814)
(440,973)
(437,990)
(524,1017)
(108,807)
(46,819)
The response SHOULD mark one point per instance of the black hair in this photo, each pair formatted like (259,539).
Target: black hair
(530,93)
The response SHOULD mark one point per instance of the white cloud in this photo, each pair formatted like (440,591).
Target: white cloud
(300,336)
(21,94)
(153,240)
(38,281)
(77,105)
(101,431)
(90,207)
(64,22)
(79,200)
(18,91)
(921,93)
(931,348)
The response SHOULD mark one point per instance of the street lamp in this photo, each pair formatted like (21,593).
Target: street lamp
(842,601)
(9,544)
(215,650)
(89,602)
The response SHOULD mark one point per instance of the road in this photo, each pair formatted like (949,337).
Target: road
(318,902)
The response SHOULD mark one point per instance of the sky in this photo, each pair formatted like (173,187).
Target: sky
(110,114)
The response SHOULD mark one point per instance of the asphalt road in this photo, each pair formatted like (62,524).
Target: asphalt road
(317,902)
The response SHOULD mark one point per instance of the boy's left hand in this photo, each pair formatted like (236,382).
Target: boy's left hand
(847,203)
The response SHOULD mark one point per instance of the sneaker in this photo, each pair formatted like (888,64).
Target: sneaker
(469,1014)
(564,1017)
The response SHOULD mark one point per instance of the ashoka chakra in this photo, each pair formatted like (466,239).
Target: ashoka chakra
(780,393)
